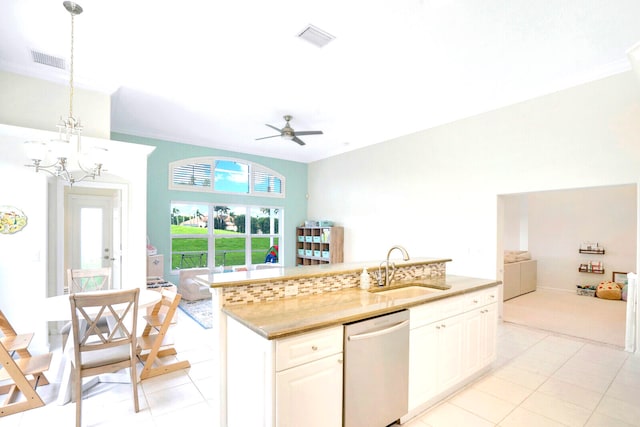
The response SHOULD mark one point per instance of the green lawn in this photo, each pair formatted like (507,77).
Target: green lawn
(192,251)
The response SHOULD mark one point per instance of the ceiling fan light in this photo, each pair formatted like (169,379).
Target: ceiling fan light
(287,136)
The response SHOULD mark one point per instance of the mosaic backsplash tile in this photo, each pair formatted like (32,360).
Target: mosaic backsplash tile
(270,291)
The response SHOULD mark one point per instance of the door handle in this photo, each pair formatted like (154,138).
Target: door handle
(378,333)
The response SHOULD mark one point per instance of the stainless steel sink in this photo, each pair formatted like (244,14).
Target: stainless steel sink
(406,291)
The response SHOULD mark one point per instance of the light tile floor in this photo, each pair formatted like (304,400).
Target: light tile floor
(543,379)
(539,379)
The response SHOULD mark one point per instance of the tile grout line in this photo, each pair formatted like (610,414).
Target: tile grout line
(608,387)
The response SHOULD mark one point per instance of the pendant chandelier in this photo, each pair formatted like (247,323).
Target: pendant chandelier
(90,163)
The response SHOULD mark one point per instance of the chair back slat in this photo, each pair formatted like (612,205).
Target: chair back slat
(86,280)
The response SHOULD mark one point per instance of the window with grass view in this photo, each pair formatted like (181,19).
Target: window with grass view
(211,235)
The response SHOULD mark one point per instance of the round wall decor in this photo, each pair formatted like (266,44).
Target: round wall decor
(12,220)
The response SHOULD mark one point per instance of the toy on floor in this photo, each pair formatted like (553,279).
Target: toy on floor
(609,290)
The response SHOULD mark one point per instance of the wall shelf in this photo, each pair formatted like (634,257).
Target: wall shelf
(585,268)
(593,267)
(592,251)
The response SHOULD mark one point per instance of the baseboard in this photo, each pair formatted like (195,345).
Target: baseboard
(445,394)
(546,288)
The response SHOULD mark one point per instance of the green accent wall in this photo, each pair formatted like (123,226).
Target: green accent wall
(159,197)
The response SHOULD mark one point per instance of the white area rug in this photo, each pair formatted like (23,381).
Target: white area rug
(200,311)
(564,312)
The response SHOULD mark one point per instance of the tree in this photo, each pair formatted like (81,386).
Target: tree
(174,216)
(199,215)
(221,214)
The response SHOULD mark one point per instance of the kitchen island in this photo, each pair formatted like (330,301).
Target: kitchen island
(275,346)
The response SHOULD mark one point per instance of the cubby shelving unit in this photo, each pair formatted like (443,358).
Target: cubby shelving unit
(319,245)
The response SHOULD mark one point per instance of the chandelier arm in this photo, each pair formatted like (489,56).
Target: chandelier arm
(93,172)
(39,168)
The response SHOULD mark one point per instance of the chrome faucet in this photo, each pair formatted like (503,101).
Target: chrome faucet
(387,279)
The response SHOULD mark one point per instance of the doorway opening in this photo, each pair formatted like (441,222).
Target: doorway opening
(551,226)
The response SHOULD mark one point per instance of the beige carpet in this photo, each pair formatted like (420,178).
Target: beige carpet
(567,313)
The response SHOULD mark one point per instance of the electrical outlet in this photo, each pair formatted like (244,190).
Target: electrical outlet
(290,290)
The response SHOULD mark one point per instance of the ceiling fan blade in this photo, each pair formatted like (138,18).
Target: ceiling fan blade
(309,132)
(265,137)
(298,140)
(275,128)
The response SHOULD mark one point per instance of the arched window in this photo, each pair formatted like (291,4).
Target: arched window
(225,175)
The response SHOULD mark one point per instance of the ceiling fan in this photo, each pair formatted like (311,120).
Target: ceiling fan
(287,132)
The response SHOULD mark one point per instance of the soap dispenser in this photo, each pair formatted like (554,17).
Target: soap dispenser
(365,280)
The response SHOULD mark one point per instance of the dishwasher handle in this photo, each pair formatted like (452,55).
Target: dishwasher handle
(379,332)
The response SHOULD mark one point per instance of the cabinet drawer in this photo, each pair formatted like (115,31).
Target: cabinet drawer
(436,310)
(481,298)
(299,349)
(490,295)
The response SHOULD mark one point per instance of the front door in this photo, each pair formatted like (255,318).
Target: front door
(93,231)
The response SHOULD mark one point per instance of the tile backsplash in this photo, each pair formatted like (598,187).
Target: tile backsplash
(273,290)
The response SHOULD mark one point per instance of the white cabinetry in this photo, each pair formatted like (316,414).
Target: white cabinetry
(287,382)
(451,340)
(310,394)
(450,351)
(481,325)
(309,379)
(520,278)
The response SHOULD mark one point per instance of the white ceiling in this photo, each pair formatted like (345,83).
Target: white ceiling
(213,73)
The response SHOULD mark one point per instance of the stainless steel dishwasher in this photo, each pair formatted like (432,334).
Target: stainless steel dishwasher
(376,370)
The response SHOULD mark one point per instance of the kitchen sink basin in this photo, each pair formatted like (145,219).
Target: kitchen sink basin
(407,291)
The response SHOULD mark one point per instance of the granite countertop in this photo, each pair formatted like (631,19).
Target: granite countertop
(240,278)
(294,315)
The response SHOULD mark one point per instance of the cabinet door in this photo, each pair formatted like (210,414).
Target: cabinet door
(310,394)
(489,334)
(423,364)
(474,335)
(450,351)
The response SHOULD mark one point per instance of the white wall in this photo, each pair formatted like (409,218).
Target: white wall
(23,255)
(435,191)
(28,262)
(516,223)
(558,221)
(39,104)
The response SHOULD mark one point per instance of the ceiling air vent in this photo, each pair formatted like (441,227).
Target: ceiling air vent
(49,60)
(315,36)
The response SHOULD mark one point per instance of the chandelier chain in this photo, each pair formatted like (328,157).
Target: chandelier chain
(71,68)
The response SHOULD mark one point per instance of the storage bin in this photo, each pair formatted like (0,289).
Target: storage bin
(325,254)
(316,239)
(316,253)
(308,239)
(300,238)
(300,251)
(586,290)
(308,252)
